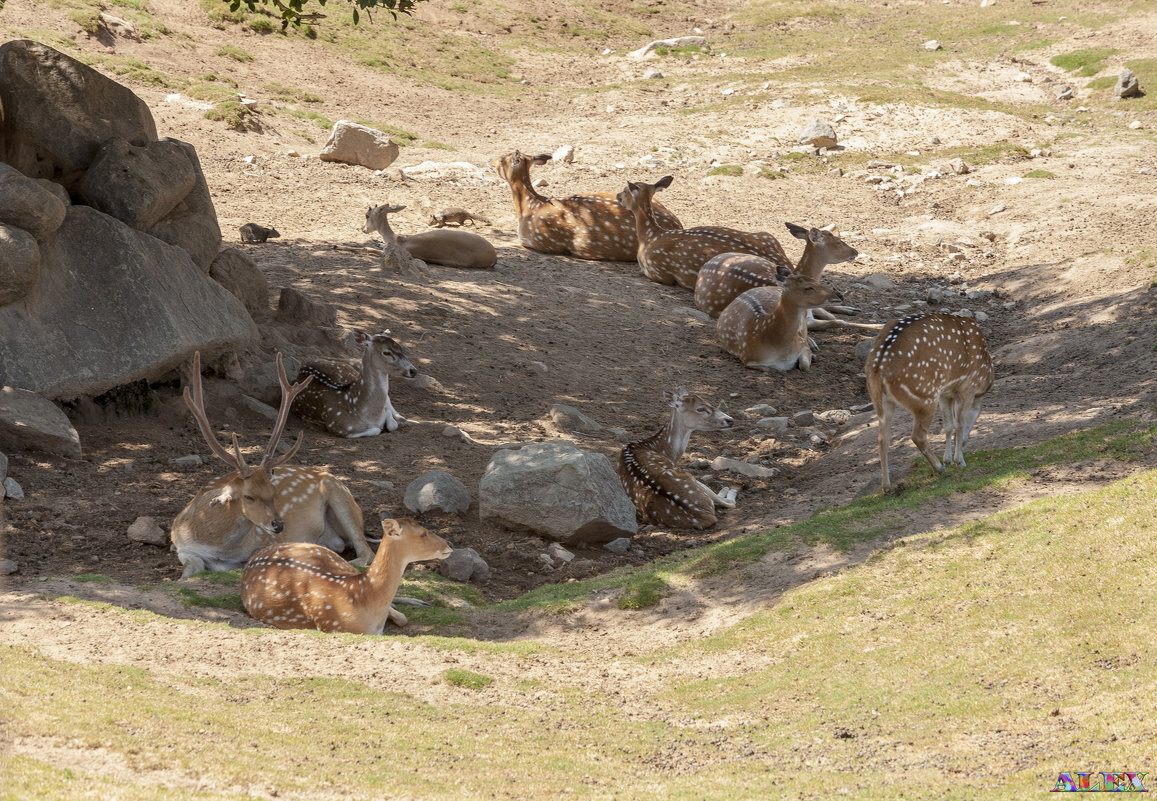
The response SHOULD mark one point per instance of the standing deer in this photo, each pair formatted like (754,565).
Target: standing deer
(727,276)
(662,493)
(299,585)
(924,362)
(251,507)
(765,327)
(675,256)
(449,247)
(594,226)
(351,400)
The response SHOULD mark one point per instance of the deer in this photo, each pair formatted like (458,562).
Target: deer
(727,276)
(351,400)
(450,248)
(241,512)
(669,256)
(594,226)
(924,362)
(457,216)
(662,493)
(765,327)
(299,585)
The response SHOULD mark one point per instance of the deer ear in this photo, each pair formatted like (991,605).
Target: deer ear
(816,236)
(722,407)
(541,158)
(391,528)
(798,231)
(664,182)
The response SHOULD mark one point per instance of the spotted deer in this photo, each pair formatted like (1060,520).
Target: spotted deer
(448,247)
(241,512)
(594,226)
(675,256)
(299,585)
(924,362)
(662,493)
(765,327)
(350,399)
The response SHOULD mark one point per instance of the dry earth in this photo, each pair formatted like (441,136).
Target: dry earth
(1069,321)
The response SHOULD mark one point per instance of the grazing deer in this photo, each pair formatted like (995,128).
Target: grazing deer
(765,327)
(594,226)
(299,585)
(675,256)
(662,493)
(251,507)
(447,247)
(457,216)
(353,401)
(924,362)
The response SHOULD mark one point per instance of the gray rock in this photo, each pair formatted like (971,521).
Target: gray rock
(958,166)
(621,545)
(112,306)
(439,491)
(3,467)
(761,410)
(818,134)
(258,406)
(238,273)
(359,144)
(964,313)
(776,425)
(12,489)
(1127,85)
(804,417)
(978,294)
(980,316)
(1064,92)
(146,530)
(294,306)
(693,313)
(879,281)
(138,184)
(29,422)
(648,50)
(558,552)
(19,263)
(564,154)
(743,468)
(192,224)
(464,564)
(835,417)
(8,567)
(558,491)
(651,73)
(30,204)
(569,418)
(863,347)
(58,112)
(192,460)
(260,380)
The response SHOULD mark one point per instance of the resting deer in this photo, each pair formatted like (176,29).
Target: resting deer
(924,362)
(299,585)
(765,327)
(251,507)
(351,400)
(594,226)
(451,248)
(662,493)
(727,276)
(675,256)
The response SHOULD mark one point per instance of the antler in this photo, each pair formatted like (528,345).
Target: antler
(288,393)
(196,403)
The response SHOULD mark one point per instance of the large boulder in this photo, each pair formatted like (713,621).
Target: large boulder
(192,224)
(19,263)
(558,491)
(359,144)
(57,112)
(437,491)
(138,184)
(30,204)
(112,306)
(239,274)
(28,422)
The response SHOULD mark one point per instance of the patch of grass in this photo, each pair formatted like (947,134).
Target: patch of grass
(213,78)
(133,69)
(399,135)
(466,679)
(93,578)
(644,591)
(222,578)
(190,597)
(289,94)
(771,175)
(1040,174)
(322,121)
(233,113)
(1084,63)
(688,51)
(438,146)
(88,18)
(235,53)
(1107,82)
(726,169)
(211,93)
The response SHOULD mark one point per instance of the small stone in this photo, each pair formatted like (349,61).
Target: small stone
(652,73)
(451,431)
(428,382)
(974,183)
(1009,305)
(776,425)
(545,561)
(699,464)
(743,468)
(860,408)
(1064,92)
(760,410)
(803,418)
(1136,125)
(959,166)
(569,418)
(8,567)
(3,467)
(790,491)
(693,313)
(621,545)
(464,564)
(1127,85)
(964,313)
(146,530)
(932,44)
(980,316)
(564,154)
(818,134)
(438,491)
(192,460)
(978,294)
(863,347)
(879,281)
(12,489)
(997,209)
(560,553)
(835,417)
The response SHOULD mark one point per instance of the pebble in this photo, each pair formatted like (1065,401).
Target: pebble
(146,530)
(558,552)
(743,468)
(8,567)
(776,425)
(621,545)
(980,316)
(192,460)
(963,313)
(804,417)
(998,209)
(760,410)
(12,489)
(451,431)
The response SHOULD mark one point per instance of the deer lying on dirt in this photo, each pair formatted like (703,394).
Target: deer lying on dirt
(353,399)
(594,226)
(251,507)
(662,493)
(727,276)
(457,216)
(447,247)
(304,586)
(924,362)
(675,256)
(765,327)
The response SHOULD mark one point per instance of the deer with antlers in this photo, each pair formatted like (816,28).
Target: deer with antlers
(924,362)
(299,585)
(676,256)
(662,493)
(765,327)
(251,507)
(594,226)
(350,399)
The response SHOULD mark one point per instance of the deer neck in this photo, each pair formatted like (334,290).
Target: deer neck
(786,321)
(671,440)
(372,384)
(526,199)
(385,573)
(646,228)
(812,262)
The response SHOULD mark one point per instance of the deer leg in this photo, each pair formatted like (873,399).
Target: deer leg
(950,411)
(342,523)
(884,426)
(391,416)
(193,564)
(921,420)
(969,420)
(726,498)
(396,616)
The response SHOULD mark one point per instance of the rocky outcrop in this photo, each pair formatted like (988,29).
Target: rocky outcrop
(359,144)
(239,274)
(29,422)
(138,185)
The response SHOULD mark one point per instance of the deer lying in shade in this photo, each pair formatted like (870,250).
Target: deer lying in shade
(662,493)
(765,328)
(252,507)
(303,586)
(350,399)
(448,247)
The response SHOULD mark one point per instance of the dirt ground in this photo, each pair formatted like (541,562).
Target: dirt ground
(1056,263)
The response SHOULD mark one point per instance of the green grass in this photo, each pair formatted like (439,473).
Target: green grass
(211,93)
(1084,63)
(320,120)
(466,679)
(233,113)
(235,53)
(399,135)
(726,169)
(91,578)
(1040,174)
(289,94)
(438,145)
(133,69)
(191,597)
